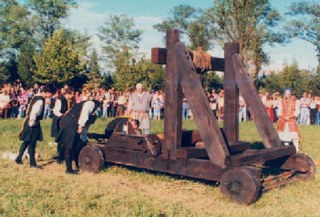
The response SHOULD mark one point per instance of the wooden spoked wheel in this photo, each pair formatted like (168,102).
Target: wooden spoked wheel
(240,185)
(91,159)
(303,164)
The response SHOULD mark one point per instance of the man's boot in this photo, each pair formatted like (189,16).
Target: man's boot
(69,168)
(33,163)
(23,147)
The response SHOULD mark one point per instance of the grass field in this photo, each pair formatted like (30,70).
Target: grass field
(118,191)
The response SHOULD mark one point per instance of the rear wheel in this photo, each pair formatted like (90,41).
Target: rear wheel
(303,164)
(240,185)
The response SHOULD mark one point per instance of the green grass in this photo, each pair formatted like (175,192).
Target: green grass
(118,191)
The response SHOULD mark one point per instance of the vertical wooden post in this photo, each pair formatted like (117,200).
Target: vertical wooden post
(173,100)
(231,95)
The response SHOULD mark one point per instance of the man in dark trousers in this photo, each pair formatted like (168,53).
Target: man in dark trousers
(31,131)
(74,124)
(60,108)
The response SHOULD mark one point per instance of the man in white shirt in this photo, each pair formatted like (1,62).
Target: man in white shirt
(31,131)
(74,128)
(60,108)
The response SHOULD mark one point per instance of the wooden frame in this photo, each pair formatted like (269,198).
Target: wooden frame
(221,157)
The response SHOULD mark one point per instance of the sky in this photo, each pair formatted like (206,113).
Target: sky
(90,15)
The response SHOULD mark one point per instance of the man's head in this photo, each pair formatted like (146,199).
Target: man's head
(49,90)
(287,93)
(139,88)
(305,94)
(135,124)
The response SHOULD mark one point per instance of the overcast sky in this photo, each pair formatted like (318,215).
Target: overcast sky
(91,14)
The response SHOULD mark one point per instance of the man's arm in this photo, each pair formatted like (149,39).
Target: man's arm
(35,112)
(84,116)
(57,108)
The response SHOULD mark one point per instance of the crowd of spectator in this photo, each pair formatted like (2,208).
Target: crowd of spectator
(307,106)
(14,100)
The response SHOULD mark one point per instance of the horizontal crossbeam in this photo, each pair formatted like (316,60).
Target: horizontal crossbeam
(159,56)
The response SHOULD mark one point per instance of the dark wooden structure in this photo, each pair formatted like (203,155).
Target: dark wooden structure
(243,172)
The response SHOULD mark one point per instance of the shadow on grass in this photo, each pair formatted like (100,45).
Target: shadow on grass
(47,162)
(159,174)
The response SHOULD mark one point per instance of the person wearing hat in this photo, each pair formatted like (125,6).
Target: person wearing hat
(287,125)
(31,131)
(140,106)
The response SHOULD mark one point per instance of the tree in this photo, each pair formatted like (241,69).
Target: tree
(211,80)
(289,77)
(189,21)
(305,23)
(143,71)
(121,39)
(107,82)
(271,83)
(14,24)
(80,41)
(314,83)
(49,14)
(26,63)
(94,75)
(59,61)
(4,73)
(251,23)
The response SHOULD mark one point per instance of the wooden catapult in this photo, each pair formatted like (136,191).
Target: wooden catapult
(243,171)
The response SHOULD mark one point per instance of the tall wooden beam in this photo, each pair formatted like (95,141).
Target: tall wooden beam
(231,95)
(206,123)
(173,100)
(250,94)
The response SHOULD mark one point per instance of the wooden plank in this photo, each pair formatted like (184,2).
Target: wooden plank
(159,56)
(173,100)
(195,168)
(231,95)
(118,140)
(260,156)
(250,94)
(199,104)
(238,147)
(198,152)
(191,152)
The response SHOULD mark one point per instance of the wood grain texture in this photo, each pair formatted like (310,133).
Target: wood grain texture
(173,100)
(260,156)
(199,104)
(231,95)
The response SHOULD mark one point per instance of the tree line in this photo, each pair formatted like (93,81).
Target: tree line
(36,48)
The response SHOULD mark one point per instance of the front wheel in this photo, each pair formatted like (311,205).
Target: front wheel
(91,159)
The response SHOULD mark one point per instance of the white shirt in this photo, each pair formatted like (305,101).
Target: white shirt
(4,100)
(57,108)
(35,112)
(85,112)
